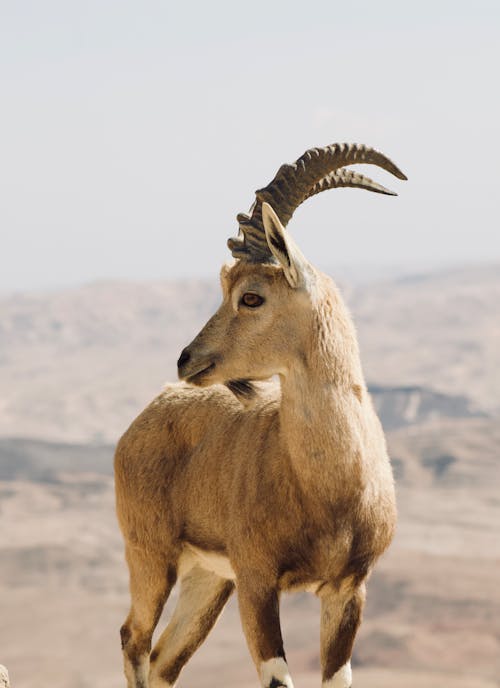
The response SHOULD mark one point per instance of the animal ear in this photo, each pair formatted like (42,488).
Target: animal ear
(283,248)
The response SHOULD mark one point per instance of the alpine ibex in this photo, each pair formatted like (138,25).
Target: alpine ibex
(221,484)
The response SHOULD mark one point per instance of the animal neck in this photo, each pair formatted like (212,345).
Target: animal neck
(322,391)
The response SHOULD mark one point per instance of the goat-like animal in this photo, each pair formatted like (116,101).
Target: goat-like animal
(222,484)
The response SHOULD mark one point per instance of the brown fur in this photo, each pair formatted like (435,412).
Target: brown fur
(295,489)
(339,625)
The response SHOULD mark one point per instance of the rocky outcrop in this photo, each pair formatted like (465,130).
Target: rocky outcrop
(4,677)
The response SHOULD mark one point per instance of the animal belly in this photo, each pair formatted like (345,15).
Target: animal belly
(304,587)
(210,561)
(294,582)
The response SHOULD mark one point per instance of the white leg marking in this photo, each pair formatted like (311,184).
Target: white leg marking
(275,668)
(341,679)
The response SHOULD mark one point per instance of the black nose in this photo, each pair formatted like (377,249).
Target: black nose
(183,358)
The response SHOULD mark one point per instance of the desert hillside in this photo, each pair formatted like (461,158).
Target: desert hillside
(77,365)
(440,329)
(433,606)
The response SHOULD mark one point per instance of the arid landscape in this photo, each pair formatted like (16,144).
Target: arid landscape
(76,365)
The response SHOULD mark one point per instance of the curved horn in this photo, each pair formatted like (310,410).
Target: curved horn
(347,178)
(318,169)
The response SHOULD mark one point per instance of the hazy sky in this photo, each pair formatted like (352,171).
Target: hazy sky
(131,133)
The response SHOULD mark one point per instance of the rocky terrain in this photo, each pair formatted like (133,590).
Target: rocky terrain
(77,365)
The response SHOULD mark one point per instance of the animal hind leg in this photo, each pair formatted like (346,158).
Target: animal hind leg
(341,613)
(259,611)
(202,597)
(151,580)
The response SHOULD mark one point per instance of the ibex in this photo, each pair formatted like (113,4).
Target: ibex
(222,484)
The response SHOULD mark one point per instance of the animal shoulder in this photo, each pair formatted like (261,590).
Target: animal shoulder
(219,398)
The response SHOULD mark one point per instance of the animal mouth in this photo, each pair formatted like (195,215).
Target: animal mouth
(197,377)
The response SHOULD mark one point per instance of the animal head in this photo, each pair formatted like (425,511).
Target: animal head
(264,322)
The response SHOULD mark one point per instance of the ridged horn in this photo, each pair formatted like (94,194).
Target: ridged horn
(318,169)
(347,178)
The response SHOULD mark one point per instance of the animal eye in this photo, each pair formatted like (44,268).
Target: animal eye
(252,300)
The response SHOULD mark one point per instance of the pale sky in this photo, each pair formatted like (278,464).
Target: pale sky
(131,133)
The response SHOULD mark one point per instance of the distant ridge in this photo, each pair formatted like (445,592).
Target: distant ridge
(77,365)
(45,462)
(401,406)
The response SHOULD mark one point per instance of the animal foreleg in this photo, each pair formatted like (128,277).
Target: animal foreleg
(151,580)
(259,611)
(202,597)
(340,620)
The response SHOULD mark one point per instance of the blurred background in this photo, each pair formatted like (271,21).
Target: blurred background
(130,135)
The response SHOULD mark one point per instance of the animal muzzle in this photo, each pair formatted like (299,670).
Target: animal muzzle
(194,369)
(183,360)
